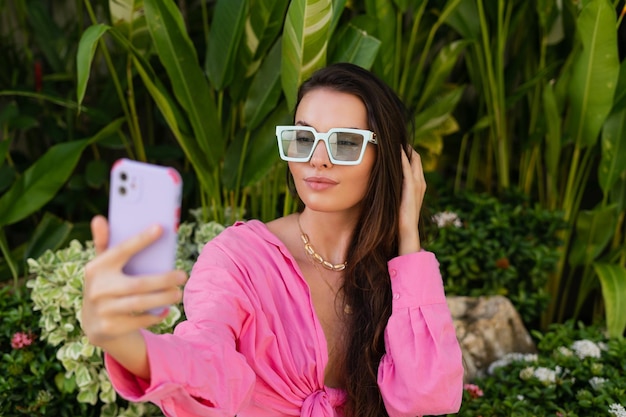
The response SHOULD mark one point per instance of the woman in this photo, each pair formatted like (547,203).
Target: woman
(332,311)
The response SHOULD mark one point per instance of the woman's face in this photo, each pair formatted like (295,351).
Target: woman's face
(321,185)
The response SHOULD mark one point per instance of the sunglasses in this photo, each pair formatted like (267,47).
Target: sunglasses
(345,146)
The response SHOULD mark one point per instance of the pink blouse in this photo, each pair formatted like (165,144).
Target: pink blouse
(252,344)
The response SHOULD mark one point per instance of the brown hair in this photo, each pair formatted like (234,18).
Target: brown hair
(367,287)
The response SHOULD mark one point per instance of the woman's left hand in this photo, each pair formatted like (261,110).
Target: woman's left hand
(413,190)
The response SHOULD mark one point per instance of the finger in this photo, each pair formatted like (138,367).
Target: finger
(406,164)
(121,285)
(139,304)
(118,255)
(417,167)
(113,326)
(100,233)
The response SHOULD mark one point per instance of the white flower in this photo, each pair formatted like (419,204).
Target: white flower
(545,375)
(520,398)
(586,349)
(447,218)
(617,410)
(565,351)
(527,373)
(511,357)
(596,382)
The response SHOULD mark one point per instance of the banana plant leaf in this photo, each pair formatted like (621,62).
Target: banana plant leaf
(84,57)
(595,73)
(385,30)
(265,90)
(594,229)
(227,30)
(356,46)
(259,150)
(128,17)
(264,26)
(440,70)
(437,113)
(553,135)
(191,88)
(613,282)
(43,179)
(613,161)
(305,42)
(51,233)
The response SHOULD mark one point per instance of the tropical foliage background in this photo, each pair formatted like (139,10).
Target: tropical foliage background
(518,109)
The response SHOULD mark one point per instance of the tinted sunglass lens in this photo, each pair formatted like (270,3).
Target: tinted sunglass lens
(346,146)
(297,143)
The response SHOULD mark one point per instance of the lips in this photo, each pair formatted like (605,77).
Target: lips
(321,180)
(319,183)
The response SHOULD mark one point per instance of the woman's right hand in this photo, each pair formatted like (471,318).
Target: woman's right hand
(115,305)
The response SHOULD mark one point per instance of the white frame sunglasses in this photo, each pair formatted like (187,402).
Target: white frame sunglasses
(368,137)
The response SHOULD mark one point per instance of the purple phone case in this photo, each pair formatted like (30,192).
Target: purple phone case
(142,195)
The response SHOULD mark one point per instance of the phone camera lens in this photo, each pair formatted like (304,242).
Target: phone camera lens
(123,176)
(122,190)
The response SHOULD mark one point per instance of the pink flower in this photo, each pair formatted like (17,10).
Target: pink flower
(473,390)
(21,340)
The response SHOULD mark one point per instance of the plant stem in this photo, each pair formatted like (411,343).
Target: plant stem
(6,253)
(114,77)
(409,55)
(459,165)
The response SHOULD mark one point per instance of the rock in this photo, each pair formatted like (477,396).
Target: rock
(487,329)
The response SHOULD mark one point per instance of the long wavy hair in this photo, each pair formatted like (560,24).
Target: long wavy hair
(367,287)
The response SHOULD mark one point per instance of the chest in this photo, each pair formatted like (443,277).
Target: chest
(331,313)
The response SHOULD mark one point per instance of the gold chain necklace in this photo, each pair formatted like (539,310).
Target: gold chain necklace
(310,251)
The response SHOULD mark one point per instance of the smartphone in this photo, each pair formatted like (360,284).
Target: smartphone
(141,195)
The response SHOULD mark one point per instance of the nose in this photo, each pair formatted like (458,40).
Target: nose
(320,156)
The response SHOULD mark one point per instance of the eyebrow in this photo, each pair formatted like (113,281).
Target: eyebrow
(303,123)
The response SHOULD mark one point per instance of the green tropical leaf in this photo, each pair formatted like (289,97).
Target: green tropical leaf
(264,91)
(613,282)
(594,229)
(356,46)
(46,97)
(84,57)
(338,8)
(191,88)
(50,234)
(128,17)
(126,11)
(305,41)
(620,91)
(440,70)
(50,39)
(386,66)
(595,72)
(264,25)
(553,134)
(261,151)
(438,113)
(227,29)
(464,19)
(613,162)
(177,123)
(4,149)
(43,179)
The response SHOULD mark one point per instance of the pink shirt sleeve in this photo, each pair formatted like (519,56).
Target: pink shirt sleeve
(422,371)
(197,371)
